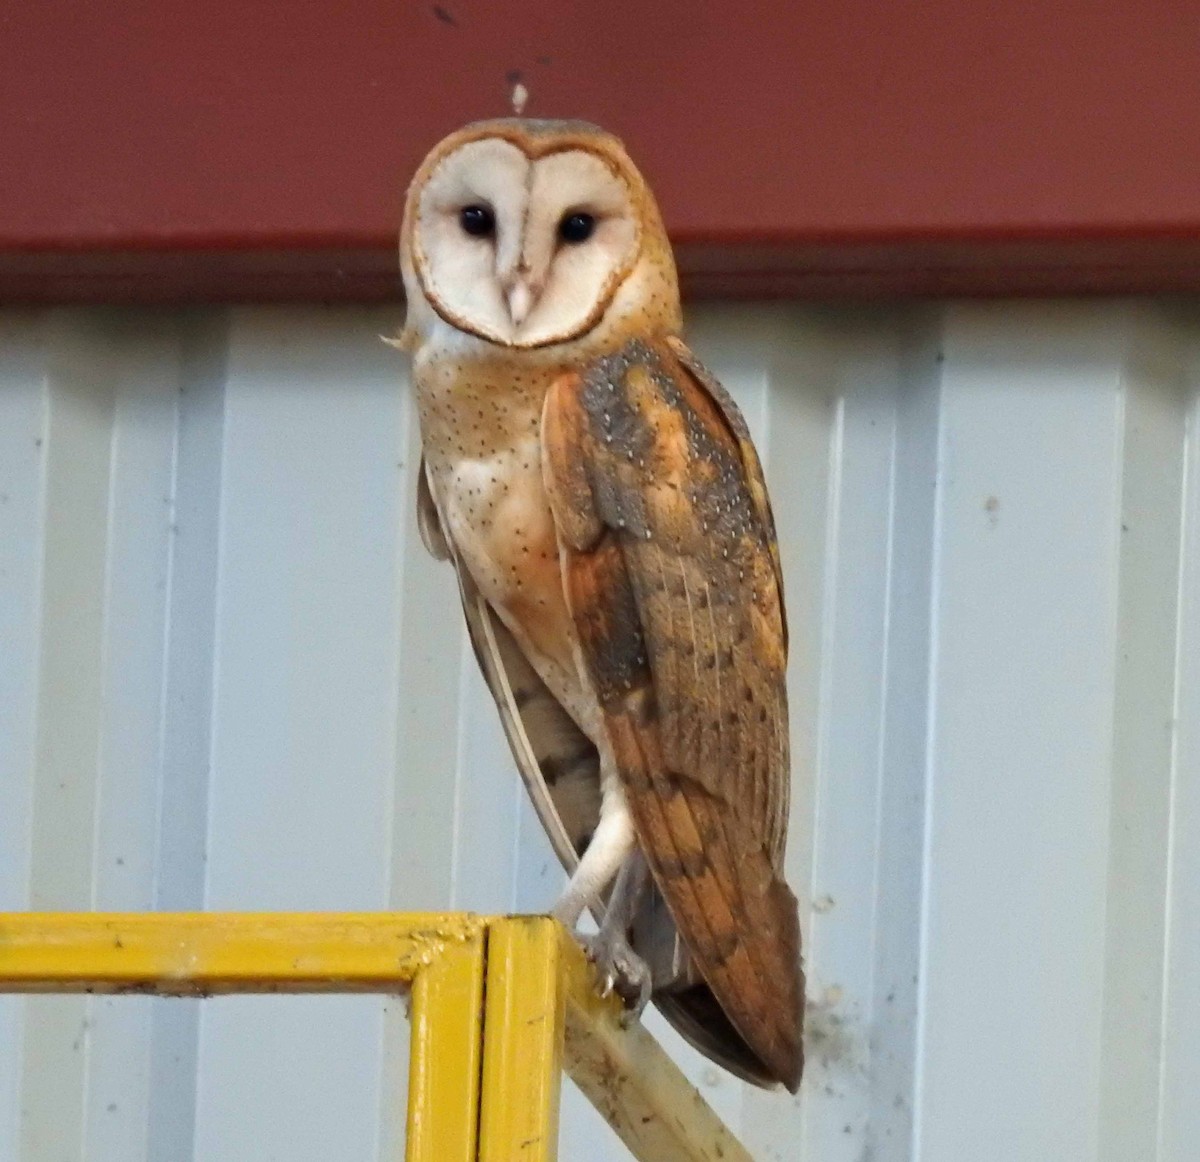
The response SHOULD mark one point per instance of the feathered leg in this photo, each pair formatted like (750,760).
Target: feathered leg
(622,968)
(613,852)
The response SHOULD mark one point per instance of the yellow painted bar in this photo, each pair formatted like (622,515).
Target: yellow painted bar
(186,954)
(538,1013)
(522,1041)
(444,1066)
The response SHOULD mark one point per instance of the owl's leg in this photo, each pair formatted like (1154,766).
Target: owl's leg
(622,968)
(613,852)
(612,841)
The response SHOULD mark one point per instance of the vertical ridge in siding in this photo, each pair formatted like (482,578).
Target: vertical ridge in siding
(1150,449)
(186,707)
(82,372)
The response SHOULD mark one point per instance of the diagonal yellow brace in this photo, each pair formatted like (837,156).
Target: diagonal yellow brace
(628,1076)
(542,1012)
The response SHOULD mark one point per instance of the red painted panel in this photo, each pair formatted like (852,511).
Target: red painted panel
(788,143)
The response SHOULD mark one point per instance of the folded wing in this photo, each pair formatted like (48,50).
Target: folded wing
(672,577)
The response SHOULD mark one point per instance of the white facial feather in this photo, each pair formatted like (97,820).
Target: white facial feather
(576,279)
(459,271)
(522,285)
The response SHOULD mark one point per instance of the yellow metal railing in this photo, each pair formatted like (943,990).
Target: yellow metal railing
(500,1007)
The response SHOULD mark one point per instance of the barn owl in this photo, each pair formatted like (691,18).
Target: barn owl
(598,494)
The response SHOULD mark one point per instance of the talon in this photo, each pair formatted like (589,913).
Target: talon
(636,1005)
(619,969)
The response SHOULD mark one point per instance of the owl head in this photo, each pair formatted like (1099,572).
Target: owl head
(526,234)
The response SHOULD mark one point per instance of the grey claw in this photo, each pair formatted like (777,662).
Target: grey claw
(622,971)
(633,1012)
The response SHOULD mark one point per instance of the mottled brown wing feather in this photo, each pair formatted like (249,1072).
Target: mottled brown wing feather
(756,481)
(560,769)
(672,577)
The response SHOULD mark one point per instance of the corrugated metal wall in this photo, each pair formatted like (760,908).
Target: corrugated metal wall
(230,678)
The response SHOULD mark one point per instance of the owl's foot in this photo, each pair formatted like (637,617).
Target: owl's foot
(621,970)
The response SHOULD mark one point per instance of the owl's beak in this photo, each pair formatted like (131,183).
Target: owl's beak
(521,297)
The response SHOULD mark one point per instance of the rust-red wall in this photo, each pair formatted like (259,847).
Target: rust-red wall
(858,146)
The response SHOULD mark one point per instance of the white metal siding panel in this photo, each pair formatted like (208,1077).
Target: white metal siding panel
(1179,1111)
(1022,720)
(231,678)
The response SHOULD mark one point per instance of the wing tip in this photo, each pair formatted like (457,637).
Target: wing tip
(792,1069)
(698,1018)
(783,1059)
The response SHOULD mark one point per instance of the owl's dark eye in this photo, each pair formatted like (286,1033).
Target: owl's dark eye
(576,228)
(478,221)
